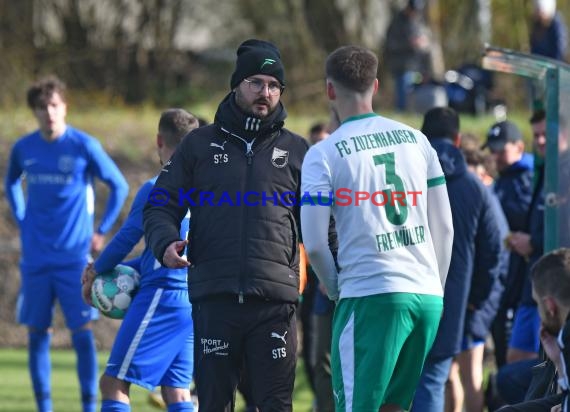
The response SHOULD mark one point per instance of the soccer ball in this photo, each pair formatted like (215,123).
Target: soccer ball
(113,291)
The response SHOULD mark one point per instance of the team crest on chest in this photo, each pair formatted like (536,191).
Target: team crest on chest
(65,164)
(279,158)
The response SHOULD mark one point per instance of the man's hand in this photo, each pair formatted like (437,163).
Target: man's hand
(550,346)
(172,258)
(97,242)
(556,408)
(519,242)
(87,278)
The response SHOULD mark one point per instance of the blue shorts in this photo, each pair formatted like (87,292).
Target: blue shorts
(469,343)
(526,329)
(155,343)
(42,286)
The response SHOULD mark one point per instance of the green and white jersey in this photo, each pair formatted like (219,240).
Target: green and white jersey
(375,173)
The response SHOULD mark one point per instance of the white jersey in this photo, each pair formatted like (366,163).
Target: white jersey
(375,174)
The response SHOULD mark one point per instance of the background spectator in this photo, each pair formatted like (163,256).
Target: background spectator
(407,49)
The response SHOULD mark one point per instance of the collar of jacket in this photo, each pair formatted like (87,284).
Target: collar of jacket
(231,118)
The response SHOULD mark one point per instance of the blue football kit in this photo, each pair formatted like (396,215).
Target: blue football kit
(154,345)
(56,220)
(55,215)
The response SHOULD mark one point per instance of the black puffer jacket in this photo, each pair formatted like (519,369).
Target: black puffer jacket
(244,235)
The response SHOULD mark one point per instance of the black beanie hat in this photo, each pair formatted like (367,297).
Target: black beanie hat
(257,57)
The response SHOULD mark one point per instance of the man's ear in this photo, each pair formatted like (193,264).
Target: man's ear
(550,306)
(159,140)
(376,85)
(331,92)
(457,140)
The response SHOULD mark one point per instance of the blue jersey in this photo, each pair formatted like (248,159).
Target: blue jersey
(151,271)
(56,216)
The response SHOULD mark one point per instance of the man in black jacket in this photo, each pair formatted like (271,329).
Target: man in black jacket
(551,290)
(240,177)
(475,260)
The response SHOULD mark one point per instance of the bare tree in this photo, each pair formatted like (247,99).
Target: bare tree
(16,47)
(143,49)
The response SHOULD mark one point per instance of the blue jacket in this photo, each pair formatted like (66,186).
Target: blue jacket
(476,249)
(535,227)
(536,219)
(514,190)
(550,41)
(478,321)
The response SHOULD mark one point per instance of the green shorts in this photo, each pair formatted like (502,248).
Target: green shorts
(379,345)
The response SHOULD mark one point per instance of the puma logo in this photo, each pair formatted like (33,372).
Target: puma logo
(221,146)
(278,336)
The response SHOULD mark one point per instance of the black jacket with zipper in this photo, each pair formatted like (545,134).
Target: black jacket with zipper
(244,235)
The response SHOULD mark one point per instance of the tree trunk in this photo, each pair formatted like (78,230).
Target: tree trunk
(17,48)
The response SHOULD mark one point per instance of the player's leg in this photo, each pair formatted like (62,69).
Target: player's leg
(175,384)
(35,310)
(454,395)
(115,394)
(177,399)
(306,319)
(323,380)
(87,370)
(422,317)
(78,316)
(145,344)
(244,389)
(271,353)
(354,355)
(39,364)
(129,343)
(368,336)
(471,373)
(218,351)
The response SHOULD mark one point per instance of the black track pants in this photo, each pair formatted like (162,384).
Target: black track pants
(262,335)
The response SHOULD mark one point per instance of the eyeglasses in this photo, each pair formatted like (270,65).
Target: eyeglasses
(257,85)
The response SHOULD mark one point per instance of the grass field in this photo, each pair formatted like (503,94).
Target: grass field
(16,393)
(128,135)
(130,130)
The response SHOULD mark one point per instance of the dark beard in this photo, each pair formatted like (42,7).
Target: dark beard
(231,117)
(247,110)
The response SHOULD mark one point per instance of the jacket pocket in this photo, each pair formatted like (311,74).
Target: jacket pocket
(294,235)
